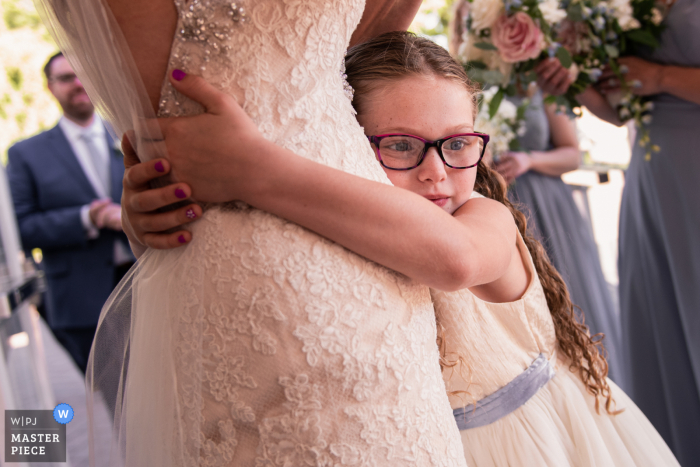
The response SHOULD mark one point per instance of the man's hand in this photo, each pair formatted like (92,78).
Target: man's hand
(96,211)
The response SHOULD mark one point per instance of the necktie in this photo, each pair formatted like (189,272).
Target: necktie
(99,162)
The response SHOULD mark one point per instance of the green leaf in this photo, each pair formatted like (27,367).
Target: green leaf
(643,37)
(14,76)
(496,102)
(612,51)
(476,64)
(485,46)
(520,115)
(493,77)
(549,100)
(564,57)
(575,12)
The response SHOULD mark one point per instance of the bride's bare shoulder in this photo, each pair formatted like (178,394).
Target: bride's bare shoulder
(148,28)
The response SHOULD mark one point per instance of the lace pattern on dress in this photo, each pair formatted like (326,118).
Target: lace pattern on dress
(290,349)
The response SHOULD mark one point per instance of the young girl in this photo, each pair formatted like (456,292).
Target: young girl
(524,377)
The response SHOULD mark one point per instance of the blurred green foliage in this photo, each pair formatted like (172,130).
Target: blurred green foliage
(17,17)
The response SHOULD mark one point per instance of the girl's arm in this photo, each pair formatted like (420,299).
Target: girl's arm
(222,156)
(564,157)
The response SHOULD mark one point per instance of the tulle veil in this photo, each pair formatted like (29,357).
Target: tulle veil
(91,40)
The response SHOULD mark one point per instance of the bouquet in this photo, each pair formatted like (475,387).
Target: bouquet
(503,126)
(506,39)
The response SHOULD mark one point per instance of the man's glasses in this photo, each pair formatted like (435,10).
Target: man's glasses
(68,78)
(406,152)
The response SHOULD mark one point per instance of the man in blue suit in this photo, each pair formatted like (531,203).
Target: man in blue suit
(66,186)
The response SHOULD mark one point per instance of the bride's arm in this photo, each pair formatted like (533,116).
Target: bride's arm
(391,226)
(382,16)
(148,28)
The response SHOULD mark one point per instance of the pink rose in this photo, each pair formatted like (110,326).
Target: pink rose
(517,37)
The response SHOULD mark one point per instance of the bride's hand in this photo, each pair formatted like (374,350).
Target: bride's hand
(215,153)
(143,225)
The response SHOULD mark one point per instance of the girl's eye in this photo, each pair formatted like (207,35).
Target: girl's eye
(400,146)
(456,145)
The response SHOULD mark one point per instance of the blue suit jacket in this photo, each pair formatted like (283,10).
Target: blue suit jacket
(48,188)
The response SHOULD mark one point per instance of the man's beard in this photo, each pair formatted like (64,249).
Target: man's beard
(79,111)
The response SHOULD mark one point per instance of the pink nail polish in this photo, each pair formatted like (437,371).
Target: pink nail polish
(181,239)
(179,75)
(159,167)
(190,214)
(180,193)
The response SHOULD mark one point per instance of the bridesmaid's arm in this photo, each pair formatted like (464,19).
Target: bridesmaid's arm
(645,79)
(382,16)
(564,157)
(682,82)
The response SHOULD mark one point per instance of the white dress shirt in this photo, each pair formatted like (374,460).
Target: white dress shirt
(89,162)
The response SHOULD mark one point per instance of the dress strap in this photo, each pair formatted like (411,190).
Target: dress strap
(508,398)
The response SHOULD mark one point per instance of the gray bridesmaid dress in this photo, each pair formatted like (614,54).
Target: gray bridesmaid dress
(557,223)
(659,258)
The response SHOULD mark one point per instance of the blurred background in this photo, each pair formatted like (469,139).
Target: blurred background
(27,108)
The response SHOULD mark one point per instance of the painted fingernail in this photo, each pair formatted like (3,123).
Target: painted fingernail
(179,75)
(159,167)
(190,214)
(180,193)
(181,239)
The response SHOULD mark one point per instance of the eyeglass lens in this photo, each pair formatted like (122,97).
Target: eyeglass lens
(65,79)
(403,152)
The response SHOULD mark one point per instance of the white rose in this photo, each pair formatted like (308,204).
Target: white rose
(484,13)
(622,11)
(507,110)
(551,12)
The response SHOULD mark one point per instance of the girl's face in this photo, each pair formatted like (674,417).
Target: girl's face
(432,108)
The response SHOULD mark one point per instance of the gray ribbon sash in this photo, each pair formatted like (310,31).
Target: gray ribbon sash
(508,398)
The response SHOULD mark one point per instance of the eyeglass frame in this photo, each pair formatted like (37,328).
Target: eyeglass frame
(66,78)
(437,144)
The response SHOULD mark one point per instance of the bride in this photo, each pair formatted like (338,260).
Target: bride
(259,343)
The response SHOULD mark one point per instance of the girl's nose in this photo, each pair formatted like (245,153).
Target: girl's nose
(432,168)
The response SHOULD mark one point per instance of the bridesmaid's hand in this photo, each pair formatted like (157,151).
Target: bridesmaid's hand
(552,77)
(142,224)
(219,153)
(643,78)
(512,165)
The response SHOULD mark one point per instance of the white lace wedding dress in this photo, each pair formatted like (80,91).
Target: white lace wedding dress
(261,343)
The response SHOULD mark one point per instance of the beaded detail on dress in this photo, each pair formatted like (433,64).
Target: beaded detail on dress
(291,350)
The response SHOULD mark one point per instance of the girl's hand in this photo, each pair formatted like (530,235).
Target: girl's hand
(512,165)
(552,77)
(215,153)
(142,224)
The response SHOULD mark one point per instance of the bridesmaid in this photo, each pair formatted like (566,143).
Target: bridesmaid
(535,177)
(659,259)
